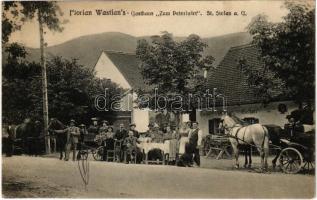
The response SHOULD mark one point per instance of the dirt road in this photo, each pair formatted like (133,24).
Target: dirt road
(48,177)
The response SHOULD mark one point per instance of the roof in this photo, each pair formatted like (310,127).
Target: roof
(128,64)
(229,79)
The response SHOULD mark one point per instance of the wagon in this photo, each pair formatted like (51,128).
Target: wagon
(297,153)
(94,145)
(217,146)
(90,146)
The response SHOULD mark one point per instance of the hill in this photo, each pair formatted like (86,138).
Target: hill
(87,49)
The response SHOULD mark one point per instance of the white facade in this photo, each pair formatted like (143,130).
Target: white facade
(266,115)
(106,69)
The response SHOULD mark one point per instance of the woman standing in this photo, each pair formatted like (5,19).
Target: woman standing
(171,137)
(183,133)
(109,141)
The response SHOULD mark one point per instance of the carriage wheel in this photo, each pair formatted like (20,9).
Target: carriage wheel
(309,159)
(291,160)
(98,153)
(309,165)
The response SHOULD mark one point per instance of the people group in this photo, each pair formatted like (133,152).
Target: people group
(183,142)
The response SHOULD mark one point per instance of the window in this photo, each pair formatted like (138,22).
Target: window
(214,126)
(251,120)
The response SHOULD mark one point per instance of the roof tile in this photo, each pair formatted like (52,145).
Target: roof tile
(229,79)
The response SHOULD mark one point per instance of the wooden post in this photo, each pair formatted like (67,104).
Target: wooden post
(44,85)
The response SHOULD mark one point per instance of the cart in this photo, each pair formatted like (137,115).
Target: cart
(297,153)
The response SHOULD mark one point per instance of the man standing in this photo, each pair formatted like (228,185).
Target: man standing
(94,128)
(121,133)
(195,138)
(307,115)
(120,136)
(83,132)
(73,134)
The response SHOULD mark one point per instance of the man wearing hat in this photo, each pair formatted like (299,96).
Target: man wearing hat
(195,141)
(72,133)
(83,132)
(120,136)
(94,128)
(135,132)
(307,115)
(121,133)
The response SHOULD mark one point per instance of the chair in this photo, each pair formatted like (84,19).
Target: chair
(117,150)
(111,155)
(132,153)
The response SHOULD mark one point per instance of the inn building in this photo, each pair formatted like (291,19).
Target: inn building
(240,99)
(123,69)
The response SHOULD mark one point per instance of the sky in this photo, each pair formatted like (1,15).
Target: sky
(202,25)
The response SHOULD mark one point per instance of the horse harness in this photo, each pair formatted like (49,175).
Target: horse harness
(238,139)
(243,133)
(236,134)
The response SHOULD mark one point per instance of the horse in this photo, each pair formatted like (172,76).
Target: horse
(251,134)
(61,138)
(35,140)
(27,136)
(275,134)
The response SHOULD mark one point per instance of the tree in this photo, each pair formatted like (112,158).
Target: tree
(287,49)
(10,19)
(47,13)
(72,89)
(174,68)
(17,75)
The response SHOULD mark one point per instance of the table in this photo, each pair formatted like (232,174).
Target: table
(148,146)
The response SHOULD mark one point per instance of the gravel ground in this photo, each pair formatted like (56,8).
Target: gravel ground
(25,176)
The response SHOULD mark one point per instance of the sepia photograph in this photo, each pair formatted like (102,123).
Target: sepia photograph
(158,99)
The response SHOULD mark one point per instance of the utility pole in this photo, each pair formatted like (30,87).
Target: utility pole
(44,85)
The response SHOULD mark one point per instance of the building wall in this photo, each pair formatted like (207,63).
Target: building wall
(141,119)
(106,69)
(127,102)
(266,115)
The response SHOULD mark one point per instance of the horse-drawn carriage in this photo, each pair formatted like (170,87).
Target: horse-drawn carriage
(97,146)
(89,145)
(294,148)
(297,151)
